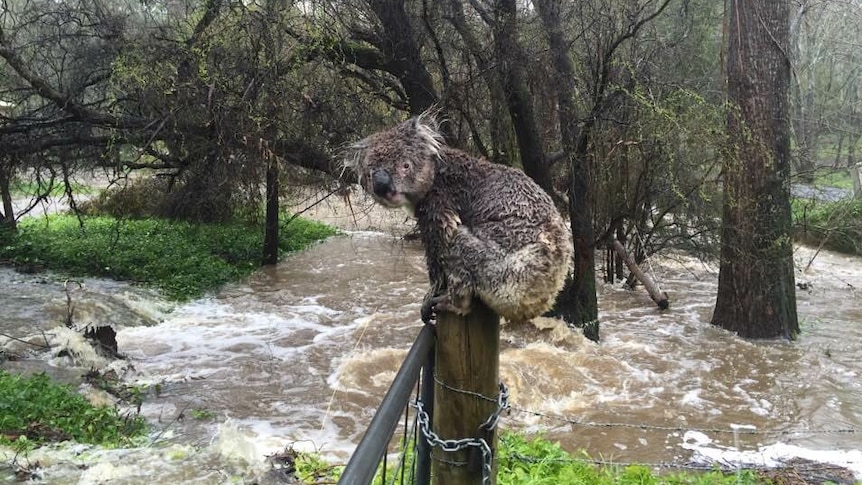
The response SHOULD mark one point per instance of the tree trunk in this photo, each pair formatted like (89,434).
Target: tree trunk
(658,296)
(502,144)
(270,237)
(7,221)
(756,288)
(518,98)
(577,302)
(402,49)
(839,147)
(856,174)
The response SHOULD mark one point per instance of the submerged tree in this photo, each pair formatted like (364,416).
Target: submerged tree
(756,290)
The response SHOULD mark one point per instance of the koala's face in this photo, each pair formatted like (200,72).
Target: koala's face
(397,166)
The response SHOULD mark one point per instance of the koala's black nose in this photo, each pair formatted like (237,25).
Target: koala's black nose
(381,183)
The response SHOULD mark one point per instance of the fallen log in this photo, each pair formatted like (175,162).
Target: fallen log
(658,296)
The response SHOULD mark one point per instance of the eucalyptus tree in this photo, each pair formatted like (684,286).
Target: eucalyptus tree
(756,290)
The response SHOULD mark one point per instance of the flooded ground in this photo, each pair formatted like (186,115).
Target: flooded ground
(303,352)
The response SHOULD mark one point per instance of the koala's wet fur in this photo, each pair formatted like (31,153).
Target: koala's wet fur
(489,231)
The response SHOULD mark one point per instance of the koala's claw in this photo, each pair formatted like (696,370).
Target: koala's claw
(428,315)
(432,305)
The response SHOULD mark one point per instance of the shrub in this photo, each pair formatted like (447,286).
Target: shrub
(835,225)
(36,410)
(138,199)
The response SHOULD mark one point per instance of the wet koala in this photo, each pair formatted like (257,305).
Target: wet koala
(489,231)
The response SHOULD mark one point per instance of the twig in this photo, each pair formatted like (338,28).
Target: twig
(46,346)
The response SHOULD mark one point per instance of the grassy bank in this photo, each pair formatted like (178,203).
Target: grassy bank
(834,225)
(181,259)
(35,410)
(530,460)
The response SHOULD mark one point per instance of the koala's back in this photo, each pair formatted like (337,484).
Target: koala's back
(511,247)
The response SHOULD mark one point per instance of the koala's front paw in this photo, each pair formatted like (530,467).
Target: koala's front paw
(430,306)
(434,304)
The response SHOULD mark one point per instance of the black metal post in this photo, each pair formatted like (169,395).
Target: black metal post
(362,465)
(423,448)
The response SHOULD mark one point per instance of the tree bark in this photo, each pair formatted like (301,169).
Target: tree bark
(7,221)
(856,174)
(756,288)
(511,64)
(577,303)
(401,49)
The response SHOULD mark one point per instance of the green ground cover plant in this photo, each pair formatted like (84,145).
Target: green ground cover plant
(181,259)
(533,460)
(839,178)
(35,410)
(830,225)
(537,461)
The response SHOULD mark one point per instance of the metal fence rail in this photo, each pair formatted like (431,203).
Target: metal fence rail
(372,448)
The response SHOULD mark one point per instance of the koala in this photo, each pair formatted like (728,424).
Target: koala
(489,231)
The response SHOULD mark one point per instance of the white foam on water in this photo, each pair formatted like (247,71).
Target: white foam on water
(770,456)
(207,337)
(76,464)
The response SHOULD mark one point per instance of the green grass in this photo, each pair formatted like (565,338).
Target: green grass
(183,260)
(20,188)
(531,460)
(35,410)
(537,461)
(837,178)
(835,225)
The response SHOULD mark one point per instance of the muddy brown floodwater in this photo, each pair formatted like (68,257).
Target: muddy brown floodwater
(304,351)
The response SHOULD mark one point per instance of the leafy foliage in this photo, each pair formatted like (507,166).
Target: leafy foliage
(834,225)
(537,461)
(34,410)
(184,260)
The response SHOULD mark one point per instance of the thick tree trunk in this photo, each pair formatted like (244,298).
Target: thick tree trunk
(518,98)
(402,49)
(577,302)
(756,290)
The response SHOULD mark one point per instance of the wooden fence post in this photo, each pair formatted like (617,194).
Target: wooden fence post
(467,359)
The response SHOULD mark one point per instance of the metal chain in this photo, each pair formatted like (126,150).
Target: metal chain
(455,445)
(502,405)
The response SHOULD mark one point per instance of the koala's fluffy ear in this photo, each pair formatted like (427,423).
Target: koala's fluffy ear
(353,156)
(427,131)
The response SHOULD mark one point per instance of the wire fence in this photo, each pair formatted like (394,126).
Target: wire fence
(405,458)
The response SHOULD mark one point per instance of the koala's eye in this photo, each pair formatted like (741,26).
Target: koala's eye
(406,166)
